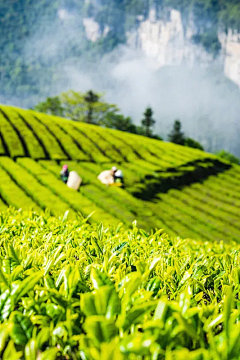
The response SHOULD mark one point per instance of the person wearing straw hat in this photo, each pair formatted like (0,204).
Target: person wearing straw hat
(107,177)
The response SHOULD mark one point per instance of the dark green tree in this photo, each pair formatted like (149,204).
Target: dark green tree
(193,144)
(119,122)
(228,156)
(51,106)
(87,107)
(148,122)
(91,98)
(176,136)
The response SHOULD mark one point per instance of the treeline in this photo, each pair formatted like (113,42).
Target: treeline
(91,108)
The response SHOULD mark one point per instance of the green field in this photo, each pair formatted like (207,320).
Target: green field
(186,192)
(148,272)
(71,290)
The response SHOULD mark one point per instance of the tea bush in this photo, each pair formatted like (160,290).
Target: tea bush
(70,290)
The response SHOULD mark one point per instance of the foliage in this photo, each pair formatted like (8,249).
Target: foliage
(193,144)
(177,136)
(91,108)
(79,291)
(210,41)
(91,99)
(51,106)
(120,122)
(78,106)
(148,122)
(74,105)
(228,156)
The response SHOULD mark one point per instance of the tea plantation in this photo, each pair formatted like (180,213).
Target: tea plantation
(187,192)
(71,290)
(101,279)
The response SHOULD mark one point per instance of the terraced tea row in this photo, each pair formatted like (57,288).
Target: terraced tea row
(185,191)
(32,134)
(195,211)
(22,189)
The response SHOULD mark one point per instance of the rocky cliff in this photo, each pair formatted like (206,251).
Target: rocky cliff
(231,48)
(169,42)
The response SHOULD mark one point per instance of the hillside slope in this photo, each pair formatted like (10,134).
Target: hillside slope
(185,191)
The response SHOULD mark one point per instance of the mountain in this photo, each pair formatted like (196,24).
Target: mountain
(180,58)
(170,41)
(185,191)
(38,37)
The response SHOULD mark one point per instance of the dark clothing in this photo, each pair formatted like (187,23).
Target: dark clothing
(64,175)
(117,178)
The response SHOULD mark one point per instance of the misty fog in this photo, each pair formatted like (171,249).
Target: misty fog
(203,99)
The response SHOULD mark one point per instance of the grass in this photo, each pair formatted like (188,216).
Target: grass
(71,290)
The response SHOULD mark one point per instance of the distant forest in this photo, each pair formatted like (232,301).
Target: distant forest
(28,66)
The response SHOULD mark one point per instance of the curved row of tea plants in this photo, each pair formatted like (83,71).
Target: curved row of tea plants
(162,179)
(197,211)
(32,134)
(181,211)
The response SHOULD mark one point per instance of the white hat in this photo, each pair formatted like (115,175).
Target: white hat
(119,173)
(114,168)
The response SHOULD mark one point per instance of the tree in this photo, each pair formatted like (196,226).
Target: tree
(193,144)
(156,137)
(87,107)
(74,105)
(52,106)
(177,136)
(228,156)
(120,122)
(91,98)
(77,106)
(148,122)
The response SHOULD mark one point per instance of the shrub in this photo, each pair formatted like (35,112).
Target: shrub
(70,290)
(193,144)
(228,156)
